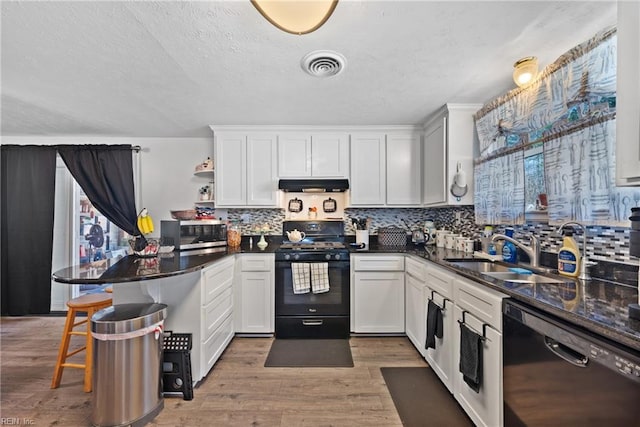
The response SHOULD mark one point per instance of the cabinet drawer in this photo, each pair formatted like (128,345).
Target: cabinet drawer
(484,303)
(215,312)
(250,262)
(440,281)
(378,263)
(215,345)
(216,279)
(415,268)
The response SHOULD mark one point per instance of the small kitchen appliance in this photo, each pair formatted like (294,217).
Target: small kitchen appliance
(195,234)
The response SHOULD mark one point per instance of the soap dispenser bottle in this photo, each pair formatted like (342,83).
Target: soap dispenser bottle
(569,256)
(509,250)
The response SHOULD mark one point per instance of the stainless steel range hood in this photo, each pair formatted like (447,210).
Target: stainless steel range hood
(313,185)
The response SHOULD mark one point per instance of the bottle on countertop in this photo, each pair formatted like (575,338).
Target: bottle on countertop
(569,256)
(509,250)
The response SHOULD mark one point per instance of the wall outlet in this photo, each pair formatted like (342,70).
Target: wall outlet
(458,217)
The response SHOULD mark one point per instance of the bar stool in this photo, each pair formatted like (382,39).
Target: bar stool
(89,303)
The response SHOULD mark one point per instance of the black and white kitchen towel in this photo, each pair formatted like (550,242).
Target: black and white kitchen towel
(319,277)
(300,277)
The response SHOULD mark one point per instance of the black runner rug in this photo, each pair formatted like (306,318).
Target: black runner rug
(422,400)
(312,353)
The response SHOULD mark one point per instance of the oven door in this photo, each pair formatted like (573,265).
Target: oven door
(332,303)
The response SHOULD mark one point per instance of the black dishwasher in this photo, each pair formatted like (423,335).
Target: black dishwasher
(557,375)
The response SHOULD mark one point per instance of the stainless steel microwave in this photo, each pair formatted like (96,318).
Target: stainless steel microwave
(194,234)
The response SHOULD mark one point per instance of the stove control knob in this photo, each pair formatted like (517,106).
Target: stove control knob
(287,256)
(337,257)
(327,257)
(296,256)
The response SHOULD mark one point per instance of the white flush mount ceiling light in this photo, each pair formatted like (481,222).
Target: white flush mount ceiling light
(296,17)
(323,63)
(525,70)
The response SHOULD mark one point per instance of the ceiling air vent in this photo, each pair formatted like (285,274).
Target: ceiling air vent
(323,63)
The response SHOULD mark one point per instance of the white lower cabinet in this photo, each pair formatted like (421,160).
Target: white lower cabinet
(254,294)
(415,314)
(481,310)
(439,287)
(201,303)
(377,293)
(216,313)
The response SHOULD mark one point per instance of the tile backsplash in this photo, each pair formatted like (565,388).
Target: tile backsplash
(603,243)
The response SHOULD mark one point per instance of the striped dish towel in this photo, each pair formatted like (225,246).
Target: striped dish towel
(300,277)
(319,277)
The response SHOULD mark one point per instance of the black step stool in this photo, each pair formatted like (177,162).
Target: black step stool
(176,366)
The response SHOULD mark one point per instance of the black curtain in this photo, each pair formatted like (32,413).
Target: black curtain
(27,197)
(105,174)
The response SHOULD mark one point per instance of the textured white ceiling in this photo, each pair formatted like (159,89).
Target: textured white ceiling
(169,69)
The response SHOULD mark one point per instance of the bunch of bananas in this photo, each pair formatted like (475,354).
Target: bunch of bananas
(145,223)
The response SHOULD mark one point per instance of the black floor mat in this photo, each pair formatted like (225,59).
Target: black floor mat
(422,400)
(297,353)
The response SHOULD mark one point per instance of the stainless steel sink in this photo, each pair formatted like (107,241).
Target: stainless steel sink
(503,272)
(481,266)
(510,276)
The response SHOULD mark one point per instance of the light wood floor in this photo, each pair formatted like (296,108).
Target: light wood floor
(239,391)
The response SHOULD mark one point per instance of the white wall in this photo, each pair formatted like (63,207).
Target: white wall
(167,164)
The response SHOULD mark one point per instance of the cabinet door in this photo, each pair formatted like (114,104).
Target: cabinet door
(415,323)
(403,169)
(261,170)
(294,155)
(484,408)
(379,302)
(628,94)
(230,158)
(330,155)
(256,303)
(368,173)
(435,163)
(441,358)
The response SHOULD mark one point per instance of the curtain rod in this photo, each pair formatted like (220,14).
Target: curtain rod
(136,148)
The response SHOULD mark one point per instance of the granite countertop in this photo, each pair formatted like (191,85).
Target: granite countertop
(599,306)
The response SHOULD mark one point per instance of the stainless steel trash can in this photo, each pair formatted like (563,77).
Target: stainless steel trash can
(127,360)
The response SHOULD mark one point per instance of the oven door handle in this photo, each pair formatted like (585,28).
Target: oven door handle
(312,322)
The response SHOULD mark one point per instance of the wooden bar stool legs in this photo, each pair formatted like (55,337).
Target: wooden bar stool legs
(89,303)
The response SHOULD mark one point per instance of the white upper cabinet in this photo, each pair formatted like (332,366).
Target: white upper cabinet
(403,169)
(450,139)
(318,155)
(330,155)
(294,155)
(246,169)
(368,174)
(231,165)
(385,168)
(261,170)
(628,95)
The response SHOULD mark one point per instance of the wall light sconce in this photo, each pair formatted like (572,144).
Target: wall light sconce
(525,70)
(296,17)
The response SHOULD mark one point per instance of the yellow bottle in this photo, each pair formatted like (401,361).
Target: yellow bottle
(569,256)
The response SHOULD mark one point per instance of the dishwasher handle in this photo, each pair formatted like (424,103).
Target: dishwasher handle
(565,353)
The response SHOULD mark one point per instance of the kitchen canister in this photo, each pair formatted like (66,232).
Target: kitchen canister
(450,241)
(469,246)
(440,238)
(362,236)
(460,243)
